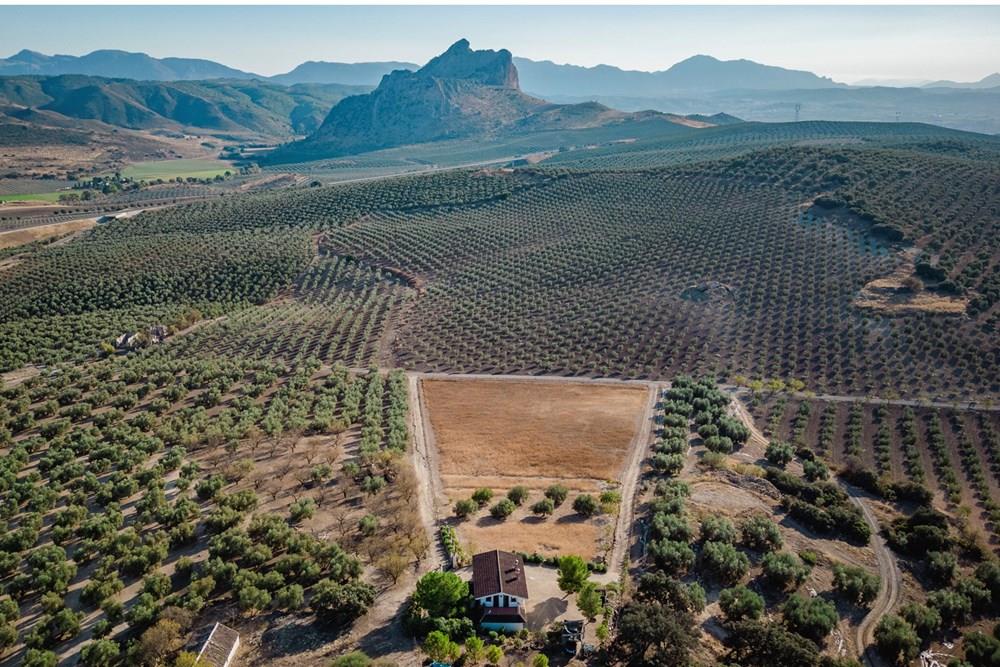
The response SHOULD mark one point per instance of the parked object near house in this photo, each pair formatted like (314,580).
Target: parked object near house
(572,636)
(220,648)
(500,589)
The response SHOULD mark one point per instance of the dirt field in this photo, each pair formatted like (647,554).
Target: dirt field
(21,236)
(500,434)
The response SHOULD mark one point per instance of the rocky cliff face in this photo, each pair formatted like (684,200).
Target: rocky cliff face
(459,93)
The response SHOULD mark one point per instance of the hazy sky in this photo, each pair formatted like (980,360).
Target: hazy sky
(846,43)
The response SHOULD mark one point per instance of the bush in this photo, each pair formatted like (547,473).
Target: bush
(779,453)
(718,529)
(896,640)
(953,607)
(724,562)
(518,495)
(855,584)
(543,507)
(924,620)
(941,566)
(557,493)
(815,470)
(813,618)
(586,505)
(503,509)
(760,534)
(783,569)
(353,659)
(740,603)
(465,508)
(672,556)
(482,496)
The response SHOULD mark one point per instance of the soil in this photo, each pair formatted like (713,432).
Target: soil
(19,237)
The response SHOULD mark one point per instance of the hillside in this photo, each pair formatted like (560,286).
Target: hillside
(350,74)
(461,93)
(118,65)
(228,106)
(699,73)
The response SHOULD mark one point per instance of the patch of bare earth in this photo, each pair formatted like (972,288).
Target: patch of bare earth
(501,434)
(900,292)
(19,237)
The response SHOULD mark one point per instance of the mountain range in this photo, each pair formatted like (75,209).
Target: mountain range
(459,94)
(699,73)
(237,107)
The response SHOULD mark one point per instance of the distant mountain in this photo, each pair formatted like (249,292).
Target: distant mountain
(991,81)
(239,107)
(119,65)
(461,93)
(352,74)
(696,74)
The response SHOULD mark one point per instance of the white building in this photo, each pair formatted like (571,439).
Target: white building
(500,589)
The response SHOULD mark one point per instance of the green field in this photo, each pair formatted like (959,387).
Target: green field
(38,196)
(184,168)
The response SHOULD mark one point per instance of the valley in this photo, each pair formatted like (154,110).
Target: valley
(721,391)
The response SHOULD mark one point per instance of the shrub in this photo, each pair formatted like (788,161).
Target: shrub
(543,507)
(672,556)
(779,453)
(815,470)
(855,584)
(557,493)
(941,566)
(740,603)
(813,618)
(353,659)
(464,508)
(783,569)
(718,529)
(503,509)
(518,495)
(482,496)
(586,505)
(924,620)
(724,562)
(896,640)
(760,534)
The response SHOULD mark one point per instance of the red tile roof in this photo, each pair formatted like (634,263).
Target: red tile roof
(498,572)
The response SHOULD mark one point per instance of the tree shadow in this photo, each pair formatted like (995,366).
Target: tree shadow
(546,611)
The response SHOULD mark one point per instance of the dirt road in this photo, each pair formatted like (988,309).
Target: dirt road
(889,586)
(630,479)
(888,569)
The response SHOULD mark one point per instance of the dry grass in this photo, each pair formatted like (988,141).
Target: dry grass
(19,237)
(531,433)
(501,434)
(893,294)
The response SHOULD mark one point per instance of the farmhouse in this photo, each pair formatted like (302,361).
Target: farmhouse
(500,589)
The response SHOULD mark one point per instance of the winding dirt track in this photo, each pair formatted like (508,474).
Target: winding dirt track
(888,569)
(889,586)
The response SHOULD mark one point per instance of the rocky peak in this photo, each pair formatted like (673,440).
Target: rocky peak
(489,68)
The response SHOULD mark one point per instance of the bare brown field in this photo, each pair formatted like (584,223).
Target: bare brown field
(501,434)
(531,433)
(19,237)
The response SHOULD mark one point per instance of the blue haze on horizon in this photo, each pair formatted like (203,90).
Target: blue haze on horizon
(847,43)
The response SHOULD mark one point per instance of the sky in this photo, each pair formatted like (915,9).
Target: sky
(847,43)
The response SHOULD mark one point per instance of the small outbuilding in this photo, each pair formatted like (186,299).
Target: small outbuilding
(500,589)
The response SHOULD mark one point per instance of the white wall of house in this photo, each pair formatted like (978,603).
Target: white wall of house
(500,600)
